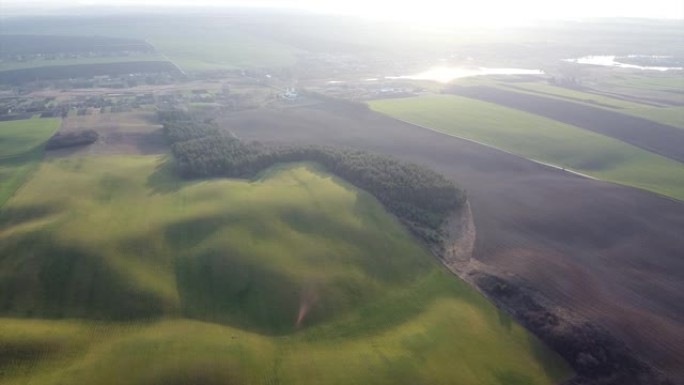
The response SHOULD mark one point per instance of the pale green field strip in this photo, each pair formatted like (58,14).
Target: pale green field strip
(673,116)
(540,88)
(6,66)
(665,83)
(242,258)
(541,139)
(20,136)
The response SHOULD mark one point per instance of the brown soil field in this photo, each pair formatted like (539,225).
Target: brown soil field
(612,254)
(120,133)
(655,137)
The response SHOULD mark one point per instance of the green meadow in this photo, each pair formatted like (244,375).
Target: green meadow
(228,51)
(20,136)
(21,150)
(541,139)
(127,274)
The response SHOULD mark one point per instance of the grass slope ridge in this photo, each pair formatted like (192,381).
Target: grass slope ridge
(295,277)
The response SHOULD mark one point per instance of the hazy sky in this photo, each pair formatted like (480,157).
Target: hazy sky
(432,11)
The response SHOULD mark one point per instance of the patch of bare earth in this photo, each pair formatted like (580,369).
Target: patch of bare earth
(611,254)
(124,133)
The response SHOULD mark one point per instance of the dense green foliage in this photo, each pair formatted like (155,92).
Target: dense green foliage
(71,139)
(420,197)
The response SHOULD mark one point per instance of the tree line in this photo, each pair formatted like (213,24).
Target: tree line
(418,196)
(71,139)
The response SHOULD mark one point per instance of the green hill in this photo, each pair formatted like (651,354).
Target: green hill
(21,148)
(126,274)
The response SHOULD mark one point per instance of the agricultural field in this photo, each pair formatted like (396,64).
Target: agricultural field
(575,95)
(20,136)
(20,150)
(293,277)
(8,66)
(609,252)
(111,68)
(664,114)
(673,116)
(541,139)
(216,44)
(135,132)
(228,51)
(661,139)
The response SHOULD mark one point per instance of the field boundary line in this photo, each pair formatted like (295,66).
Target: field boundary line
(549,165)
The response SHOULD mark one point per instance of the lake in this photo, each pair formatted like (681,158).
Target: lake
(609,61)
(445,74)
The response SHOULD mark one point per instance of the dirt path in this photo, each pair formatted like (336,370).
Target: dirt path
(611,253)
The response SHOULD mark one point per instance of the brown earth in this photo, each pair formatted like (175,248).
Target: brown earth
(659,138)
(119,133)
(611,253)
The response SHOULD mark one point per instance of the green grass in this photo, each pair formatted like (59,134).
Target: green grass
(21,150)
(14,171)
(654,83)
(541,139)
(6,66)
(138,277)
(213,44)
(228,51)
(573,95)
(673,116)
(20,136)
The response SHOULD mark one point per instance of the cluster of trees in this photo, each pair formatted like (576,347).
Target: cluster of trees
(71,139)
(419,197)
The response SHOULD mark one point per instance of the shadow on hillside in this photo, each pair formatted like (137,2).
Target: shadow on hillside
(164,179)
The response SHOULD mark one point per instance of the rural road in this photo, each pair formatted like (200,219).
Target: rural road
(611,253)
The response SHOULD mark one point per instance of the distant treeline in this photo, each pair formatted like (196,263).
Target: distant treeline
(71,139)
(85,71)
(13,45)
(419,197)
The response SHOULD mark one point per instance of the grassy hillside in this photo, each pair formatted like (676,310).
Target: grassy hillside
(541,139)
(21,150)
(14,170)
(20,136)
(295,277)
